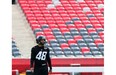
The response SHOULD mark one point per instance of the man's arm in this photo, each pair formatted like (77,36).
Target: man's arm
(49,60)
(32,58)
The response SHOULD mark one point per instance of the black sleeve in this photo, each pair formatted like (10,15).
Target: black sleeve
(49,60)
(32,58)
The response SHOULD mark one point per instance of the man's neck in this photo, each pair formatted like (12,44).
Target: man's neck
(40,46)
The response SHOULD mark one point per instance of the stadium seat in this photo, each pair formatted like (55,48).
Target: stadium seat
(57,34)
(85,49)
(80,41)
(97,41)
(68,37)
(91,44)
(68,53)
(89,26)
(82,45)
(97,53)
(87,37)
(57,49)
(89,40)
(53,41)
(78,54)
(55,45)
(77,37)
(15,49)
(59,53)
(61,41)
(94,49)
(64,45)
(71,41)
(88,54)
(52,54)
(60,37)
(75,48)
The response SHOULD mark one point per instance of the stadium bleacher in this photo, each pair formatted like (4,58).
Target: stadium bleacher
(79,22)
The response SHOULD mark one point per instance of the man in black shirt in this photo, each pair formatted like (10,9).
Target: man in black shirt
(40,58)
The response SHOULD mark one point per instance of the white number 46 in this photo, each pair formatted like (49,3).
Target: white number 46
(41,55)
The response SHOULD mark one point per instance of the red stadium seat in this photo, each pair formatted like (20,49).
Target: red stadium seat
(91,30)
(85,49)
(98,41)
(48,33)
(22,2)
(92,5)
(98,2)
(41,22)
(39,34)
(79,12)
(76,8)
(83,18)
(50,37)
(71,26)
(64,29)
(62,25)
(81,15)
(86,22)
(60,22)
(95,22)
(48,2)
(93,18)
(64,45)
(89,1)
(37,12)
(31,18)
(47,30)
(100,18)
(51,22)
(71,41)
(94,8)
(77,22)
(78,26)
(33,22)
(34,26)
(102,37)
(97,26)
(72,2)
(83,5)
(53,26)
(77,37)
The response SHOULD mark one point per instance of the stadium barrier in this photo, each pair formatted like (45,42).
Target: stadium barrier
(15,72)
(73,70)
(23,64)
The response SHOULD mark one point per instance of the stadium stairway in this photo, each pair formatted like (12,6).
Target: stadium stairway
(21,31)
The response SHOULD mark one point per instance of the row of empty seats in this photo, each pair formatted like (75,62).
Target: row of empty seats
(73,28)
(15,50)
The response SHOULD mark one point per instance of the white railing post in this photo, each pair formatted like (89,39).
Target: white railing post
(74,65)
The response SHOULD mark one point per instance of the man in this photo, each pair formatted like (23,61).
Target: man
(40,58)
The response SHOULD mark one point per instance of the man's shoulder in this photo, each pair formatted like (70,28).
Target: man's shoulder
(48,49)
(34,47)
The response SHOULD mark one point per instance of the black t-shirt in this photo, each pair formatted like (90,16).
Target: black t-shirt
(40,56)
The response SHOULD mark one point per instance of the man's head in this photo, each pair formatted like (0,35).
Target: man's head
(41,40)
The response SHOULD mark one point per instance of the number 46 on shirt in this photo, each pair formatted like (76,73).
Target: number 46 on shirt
(41,55)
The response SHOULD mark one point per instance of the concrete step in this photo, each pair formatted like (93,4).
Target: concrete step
(22,32)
